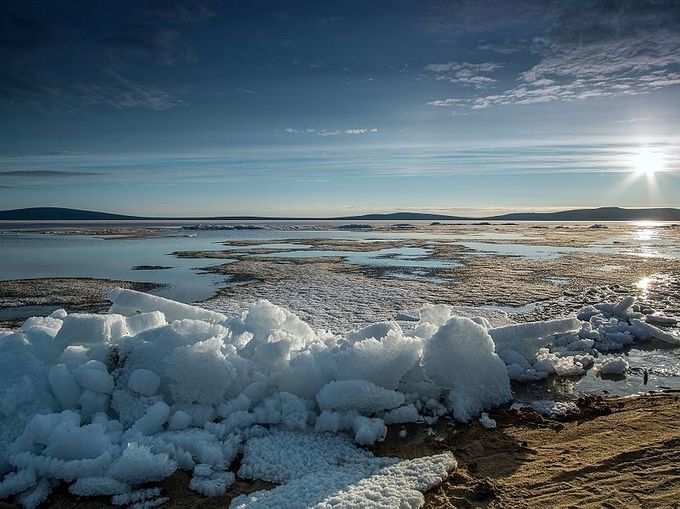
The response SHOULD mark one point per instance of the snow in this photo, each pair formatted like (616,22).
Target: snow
(105,403)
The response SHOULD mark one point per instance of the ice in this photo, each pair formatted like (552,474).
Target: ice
(383,360)
(524,337)
(36,496)
(280,456)
(403,414)
(153,420)
(138,464)
(180,420)
(486,421)
(461,357)
(98,486)
(549,408)
(93,376)
(144,381)
(615,366)
(368,431)
(108,402)
(64,386)
(69,442)
(136,496)
(200,373)
(130,303)
(358,395)
(214,485)
(16,482)
(84,328)
(369,484)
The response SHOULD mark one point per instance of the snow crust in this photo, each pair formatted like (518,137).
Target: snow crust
(105,403)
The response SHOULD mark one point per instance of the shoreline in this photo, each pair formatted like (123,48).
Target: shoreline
(616,453)
(75,294)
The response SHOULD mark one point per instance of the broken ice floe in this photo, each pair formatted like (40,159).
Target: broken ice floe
(108,402)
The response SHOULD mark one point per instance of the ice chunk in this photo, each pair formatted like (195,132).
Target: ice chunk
(138,465)
(646,330)
(523,337)
(403,414)
(144,321)
(616,366)
(461,357)
(74,443)
(486,421)
(359,395)
(84,328)
(179,420)
(383,361)
(200,372)
(33,498)
(64,386)
(16,482)
(368,431)
(214,486)
(94,376)
(131,302)
(376,330)
(144,381)
(153,420)
(98,486)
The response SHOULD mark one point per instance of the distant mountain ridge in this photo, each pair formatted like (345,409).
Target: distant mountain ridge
(594,214)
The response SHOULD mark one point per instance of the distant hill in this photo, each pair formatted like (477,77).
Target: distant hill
(401,216)
(597,214)
(60,214)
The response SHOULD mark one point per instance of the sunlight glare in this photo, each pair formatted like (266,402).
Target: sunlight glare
(648,162)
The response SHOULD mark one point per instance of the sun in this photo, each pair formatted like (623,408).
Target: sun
(648,162)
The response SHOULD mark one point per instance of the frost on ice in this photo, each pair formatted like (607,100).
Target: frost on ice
(106,403)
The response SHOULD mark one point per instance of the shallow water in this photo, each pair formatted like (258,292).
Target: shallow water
(389,257)
(28,256)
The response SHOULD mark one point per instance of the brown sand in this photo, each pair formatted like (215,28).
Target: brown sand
(624,459)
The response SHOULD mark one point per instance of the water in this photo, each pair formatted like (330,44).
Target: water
(30,255)
(389,257)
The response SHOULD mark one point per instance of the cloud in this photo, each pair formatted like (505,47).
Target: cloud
(48,173)
(588,49)
(465,73)
(333,132)
(124,93)
(630,65)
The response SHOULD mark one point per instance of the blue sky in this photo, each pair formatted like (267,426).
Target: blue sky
(323,108)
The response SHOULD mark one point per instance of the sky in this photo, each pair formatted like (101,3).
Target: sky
(312,108)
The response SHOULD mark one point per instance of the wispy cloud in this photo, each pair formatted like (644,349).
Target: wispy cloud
(333,132)
(465,73)
(592,64)
(122,93)
(48,173)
